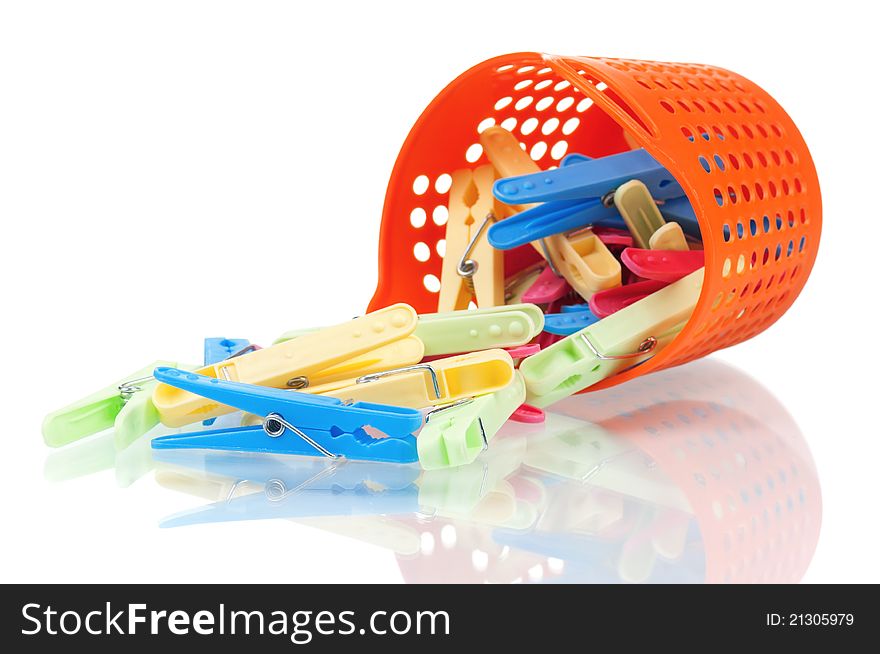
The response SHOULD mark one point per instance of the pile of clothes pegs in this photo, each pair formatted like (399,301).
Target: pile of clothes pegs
(620,274)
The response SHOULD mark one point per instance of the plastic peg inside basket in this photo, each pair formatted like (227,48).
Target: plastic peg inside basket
(605,303)
(662,265)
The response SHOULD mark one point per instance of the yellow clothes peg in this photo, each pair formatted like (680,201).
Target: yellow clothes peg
(293,363)
(588,264)
(471,267)
(428,384)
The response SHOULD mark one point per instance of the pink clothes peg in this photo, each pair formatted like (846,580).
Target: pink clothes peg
(604,303)
(547,288)
(662,265)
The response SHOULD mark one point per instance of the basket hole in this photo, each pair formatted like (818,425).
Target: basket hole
(740,264)
(564,84)
(474,152)
(570,125)
(421,251)
(683,105)
(583,105)
(538,150)
(719,162)
(747,159)
(431,283)
(529,125)
(688,134)
(766,257)
(705,164)
(503,102)
(748,131)
(745,192)
(418,217)
(523,102)
(719,198)
(485,124)
(501,69)
(559,149)
(790,157)
(525,69)
(667,106)
(790,249)
(733,161)
(519,86)
(550,126)
(759,191)
(543,103)
(544,71)
(564,104)
(725,269)
(440,247)
(726,233)
(740,231)
(762,159)
(731,193)
(440,215)
(766,224)
(732,131)
(509,124)
(420,184)
(443,183)
(543,84)
(753,227)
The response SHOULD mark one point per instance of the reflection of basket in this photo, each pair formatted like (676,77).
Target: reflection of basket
(736,153)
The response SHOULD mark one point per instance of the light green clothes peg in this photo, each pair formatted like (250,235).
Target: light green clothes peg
(470,330)
(455,435)
(618,341)
(126,405)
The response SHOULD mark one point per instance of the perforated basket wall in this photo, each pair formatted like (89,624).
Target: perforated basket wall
(736,153)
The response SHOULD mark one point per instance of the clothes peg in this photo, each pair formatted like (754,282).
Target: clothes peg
(528,414)
(479,329)
(455,434)
(662,265)
(681,211)
(503,150)
(623,339)
(471,267)
(323,426)
(289,364)
(588,263)
(454,332)
(614,237)
(607,302)
(547,288)
(125,405)
(669,237)
(575,195)
(636,204)
(569,322)
(428,384)
(218,349)
(516,285)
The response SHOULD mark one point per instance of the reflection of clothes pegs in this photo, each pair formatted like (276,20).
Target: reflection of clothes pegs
(439,382)
(450,333)
(285,364)
(575,195)
(454,435)
(126,406)
(569,322)
(323,425)
(614,299)
(588,263)
(471,267)
(662,265)
(620,340)
(547,288)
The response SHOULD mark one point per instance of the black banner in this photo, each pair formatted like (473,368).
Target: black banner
(328,617)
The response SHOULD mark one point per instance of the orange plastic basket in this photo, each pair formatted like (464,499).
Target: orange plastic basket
(736,153)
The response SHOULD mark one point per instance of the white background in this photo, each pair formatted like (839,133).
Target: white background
(171,170)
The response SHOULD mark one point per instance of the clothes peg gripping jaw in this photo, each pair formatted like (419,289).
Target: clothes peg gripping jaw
(296,423)
(454,435)
(471,267)
(281,364)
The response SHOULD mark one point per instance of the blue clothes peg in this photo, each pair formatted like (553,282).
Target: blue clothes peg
(323,425)
(568,322)
(679,210)
(572,195)
(574,308)
(219,348)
